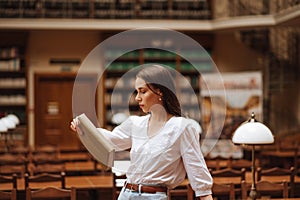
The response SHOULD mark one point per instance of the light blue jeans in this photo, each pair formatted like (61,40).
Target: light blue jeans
(127,194)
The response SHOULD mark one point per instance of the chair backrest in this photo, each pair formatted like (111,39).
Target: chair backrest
(217,163)
(180,191)
(48,149)
(45,177)
(13,164)
(51,193)
(239,164)
(224,190)
(48,168)
(23,150)
(279,172)
(266,188)
(229,172)
(45,158)
(9,179)
(8,170)
(8,195)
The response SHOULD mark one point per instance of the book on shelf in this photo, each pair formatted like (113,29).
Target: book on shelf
(99,147)
(10,65)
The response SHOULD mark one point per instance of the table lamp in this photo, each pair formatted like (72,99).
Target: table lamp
(252,133)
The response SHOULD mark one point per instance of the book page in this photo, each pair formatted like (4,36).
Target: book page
(100,148)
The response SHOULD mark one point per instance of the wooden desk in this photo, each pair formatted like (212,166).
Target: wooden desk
(80,166)
(87,182)
(74,157)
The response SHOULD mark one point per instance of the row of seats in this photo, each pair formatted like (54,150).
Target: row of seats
(181,190)
(264,189)
(44,193)
(286,184)
(44,177)
(46,159)
(262,177)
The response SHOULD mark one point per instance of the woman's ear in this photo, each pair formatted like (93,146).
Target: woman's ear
(160,93)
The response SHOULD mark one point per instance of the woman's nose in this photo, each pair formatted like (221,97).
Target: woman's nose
(137,98)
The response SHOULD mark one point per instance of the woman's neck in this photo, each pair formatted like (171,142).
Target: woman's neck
(159,115)
(156,122)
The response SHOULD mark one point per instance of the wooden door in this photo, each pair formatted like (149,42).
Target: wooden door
(53,109)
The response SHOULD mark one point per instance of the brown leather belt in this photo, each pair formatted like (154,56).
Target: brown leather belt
(145,188)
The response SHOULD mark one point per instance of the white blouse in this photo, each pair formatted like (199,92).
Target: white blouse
(165,158)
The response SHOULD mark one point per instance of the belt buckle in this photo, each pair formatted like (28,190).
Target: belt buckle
(131,188)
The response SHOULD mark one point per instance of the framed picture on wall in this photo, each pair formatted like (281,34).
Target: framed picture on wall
(243,95)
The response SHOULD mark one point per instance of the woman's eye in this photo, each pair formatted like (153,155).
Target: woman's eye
(142,91)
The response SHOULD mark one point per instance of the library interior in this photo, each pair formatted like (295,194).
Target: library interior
(235,63)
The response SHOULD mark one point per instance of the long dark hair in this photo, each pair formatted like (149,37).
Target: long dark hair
(159,77)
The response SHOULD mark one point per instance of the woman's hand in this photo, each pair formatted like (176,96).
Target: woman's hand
(74,124)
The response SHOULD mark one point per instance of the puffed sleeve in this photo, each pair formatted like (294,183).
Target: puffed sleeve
(120,136)
(198,174)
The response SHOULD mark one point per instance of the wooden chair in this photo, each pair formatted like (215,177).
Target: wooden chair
(266,188)
(8,170)
(48,168)
(217,163)
(118,182)
(190,193)
(13,164)
(275,172)
(100,169)
(226,191)
(45,158)
(181,191)
(51,193)
(219,191)
(45,177)
(20,150)
(239,164)
(8,195)
(44,162)
(230,174)
(48,149)
(9,179)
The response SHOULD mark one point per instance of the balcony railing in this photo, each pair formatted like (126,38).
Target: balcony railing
(259,7)
(106,9)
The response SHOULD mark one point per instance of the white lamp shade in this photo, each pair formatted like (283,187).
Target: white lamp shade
(3,127)
(14,118)
(252,133)
(8,123)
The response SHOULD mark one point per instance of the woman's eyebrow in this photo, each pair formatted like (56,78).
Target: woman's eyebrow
(141,87)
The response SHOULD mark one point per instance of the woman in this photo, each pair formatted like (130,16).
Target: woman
(164,146)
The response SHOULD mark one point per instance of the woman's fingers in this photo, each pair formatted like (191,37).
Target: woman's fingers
(74,124)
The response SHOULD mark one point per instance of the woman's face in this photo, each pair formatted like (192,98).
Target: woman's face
(145,96)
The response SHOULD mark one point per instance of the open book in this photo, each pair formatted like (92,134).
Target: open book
(100,148)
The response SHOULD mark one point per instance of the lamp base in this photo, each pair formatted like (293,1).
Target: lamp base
(253,194)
